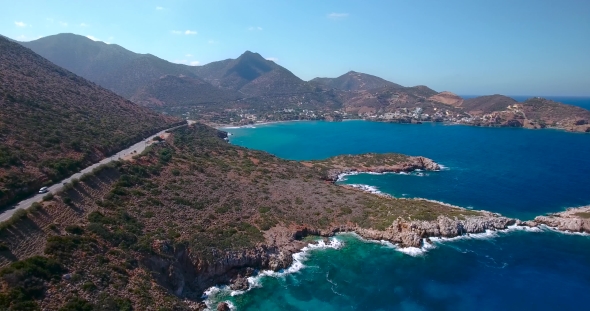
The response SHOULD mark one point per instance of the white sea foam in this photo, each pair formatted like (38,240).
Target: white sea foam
(417,172)
(443,168)
(522,228)
(555,229)
(254,281)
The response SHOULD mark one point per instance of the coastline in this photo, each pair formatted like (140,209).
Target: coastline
(447,123)
(220,294)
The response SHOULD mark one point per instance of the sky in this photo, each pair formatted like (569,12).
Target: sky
(469,47)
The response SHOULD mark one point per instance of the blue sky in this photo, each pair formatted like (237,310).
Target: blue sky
(513,47)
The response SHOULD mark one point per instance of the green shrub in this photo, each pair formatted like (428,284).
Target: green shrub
(67,200)
(63,246)
(26,282)
(77,304)
(48,197)
(264,209)
(18,215)
(35,207)
(89,286)
(73,229)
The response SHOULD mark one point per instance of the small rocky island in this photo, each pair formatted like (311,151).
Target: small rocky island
(332,168)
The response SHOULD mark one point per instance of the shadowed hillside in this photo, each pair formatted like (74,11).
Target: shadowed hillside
(109,65)
(181,90)
(53,123)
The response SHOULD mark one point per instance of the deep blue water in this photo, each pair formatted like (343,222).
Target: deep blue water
(517,172)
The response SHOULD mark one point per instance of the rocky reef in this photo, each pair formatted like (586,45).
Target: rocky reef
(572,220)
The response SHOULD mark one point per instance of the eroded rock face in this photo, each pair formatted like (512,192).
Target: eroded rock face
(412,233)
(573,220)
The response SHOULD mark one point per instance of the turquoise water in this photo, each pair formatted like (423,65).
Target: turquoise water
(513,271)
(519,173)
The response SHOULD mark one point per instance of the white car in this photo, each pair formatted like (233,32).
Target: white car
(43,190)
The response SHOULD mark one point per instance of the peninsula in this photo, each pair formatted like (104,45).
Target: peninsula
(195,211)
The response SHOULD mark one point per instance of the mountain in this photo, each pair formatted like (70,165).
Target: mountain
(141,77)
(387,99)
(355,81)
(109,65)
(252,75)
(53,122)
(170,90)
(487,104)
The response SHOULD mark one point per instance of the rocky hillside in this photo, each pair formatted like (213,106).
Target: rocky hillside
(191,212)
(487,104)
(53,122)
(536,112)
(355,81)
(447,98)
(388,99)
(109,65)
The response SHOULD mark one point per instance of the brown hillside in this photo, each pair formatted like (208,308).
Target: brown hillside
(447,98)
(487,104)
(189,213)
(53,123)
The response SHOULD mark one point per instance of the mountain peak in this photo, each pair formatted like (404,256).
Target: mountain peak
(355,81)
(251,55)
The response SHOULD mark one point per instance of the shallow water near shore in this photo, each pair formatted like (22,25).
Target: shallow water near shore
(516,172)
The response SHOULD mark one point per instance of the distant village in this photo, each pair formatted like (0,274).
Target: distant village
(244,116)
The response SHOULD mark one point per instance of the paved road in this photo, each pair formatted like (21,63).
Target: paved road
(137,148)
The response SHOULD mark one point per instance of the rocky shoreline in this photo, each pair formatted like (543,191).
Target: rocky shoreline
(414,233)
(282,243)
(410,164)
(575,219)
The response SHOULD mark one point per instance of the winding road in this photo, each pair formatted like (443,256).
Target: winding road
(135,149)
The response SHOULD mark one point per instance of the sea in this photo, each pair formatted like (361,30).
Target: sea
(516,172)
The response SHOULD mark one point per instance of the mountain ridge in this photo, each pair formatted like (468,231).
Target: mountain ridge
(53,122)
(220,90)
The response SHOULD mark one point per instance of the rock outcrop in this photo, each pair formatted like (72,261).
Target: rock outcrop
(409,165)
(189,276)
(573,220)
(413,233)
